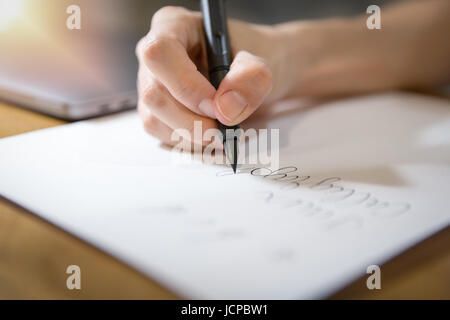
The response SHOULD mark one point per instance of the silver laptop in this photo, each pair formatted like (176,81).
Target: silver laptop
(73,74)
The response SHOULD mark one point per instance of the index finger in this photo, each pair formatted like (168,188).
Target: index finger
(165,53)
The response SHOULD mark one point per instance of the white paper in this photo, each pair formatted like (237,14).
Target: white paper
(206,234)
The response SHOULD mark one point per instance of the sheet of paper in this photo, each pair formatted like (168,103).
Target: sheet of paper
(373,178)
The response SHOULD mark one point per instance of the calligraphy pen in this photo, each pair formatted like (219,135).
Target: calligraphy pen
(219,61)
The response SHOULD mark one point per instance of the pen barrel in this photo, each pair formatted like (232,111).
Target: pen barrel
(218,51)
(218,43)
(216,76)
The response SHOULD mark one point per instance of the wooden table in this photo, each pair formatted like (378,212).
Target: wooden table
(34,255)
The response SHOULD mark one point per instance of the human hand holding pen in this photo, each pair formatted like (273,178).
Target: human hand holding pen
(321,58)
(173,86)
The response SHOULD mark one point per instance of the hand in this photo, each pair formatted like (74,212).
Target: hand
(172,82)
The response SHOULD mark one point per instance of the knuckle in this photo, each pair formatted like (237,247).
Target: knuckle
(157,49)
(151,123)
(153,96)
(138,49)
(168,11)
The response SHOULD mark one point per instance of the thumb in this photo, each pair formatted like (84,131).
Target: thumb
(243,89)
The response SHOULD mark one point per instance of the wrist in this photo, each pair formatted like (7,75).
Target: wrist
(316,55)
(335,57)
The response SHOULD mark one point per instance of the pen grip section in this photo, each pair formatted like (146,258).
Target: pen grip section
(217,74)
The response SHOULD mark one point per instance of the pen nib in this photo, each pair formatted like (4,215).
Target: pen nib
(235,155)
(234,167)
(231,153)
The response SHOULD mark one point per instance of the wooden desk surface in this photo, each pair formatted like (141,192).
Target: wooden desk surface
(34,255)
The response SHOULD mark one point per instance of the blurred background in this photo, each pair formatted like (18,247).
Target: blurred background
(135,15)
(36,44)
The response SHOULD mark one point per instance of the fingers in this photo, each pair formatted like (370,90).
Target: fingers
(171,65)
(173,94)
(179,24)
(243,90)
(164,52)
(171,114)
(154,126)
(170,87)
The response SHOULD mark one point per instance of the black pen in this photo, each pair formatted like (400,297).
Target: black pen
(219,61)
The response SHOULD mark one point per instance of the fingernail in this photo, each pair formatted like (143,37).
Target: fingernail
(231,105)
(207,108)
